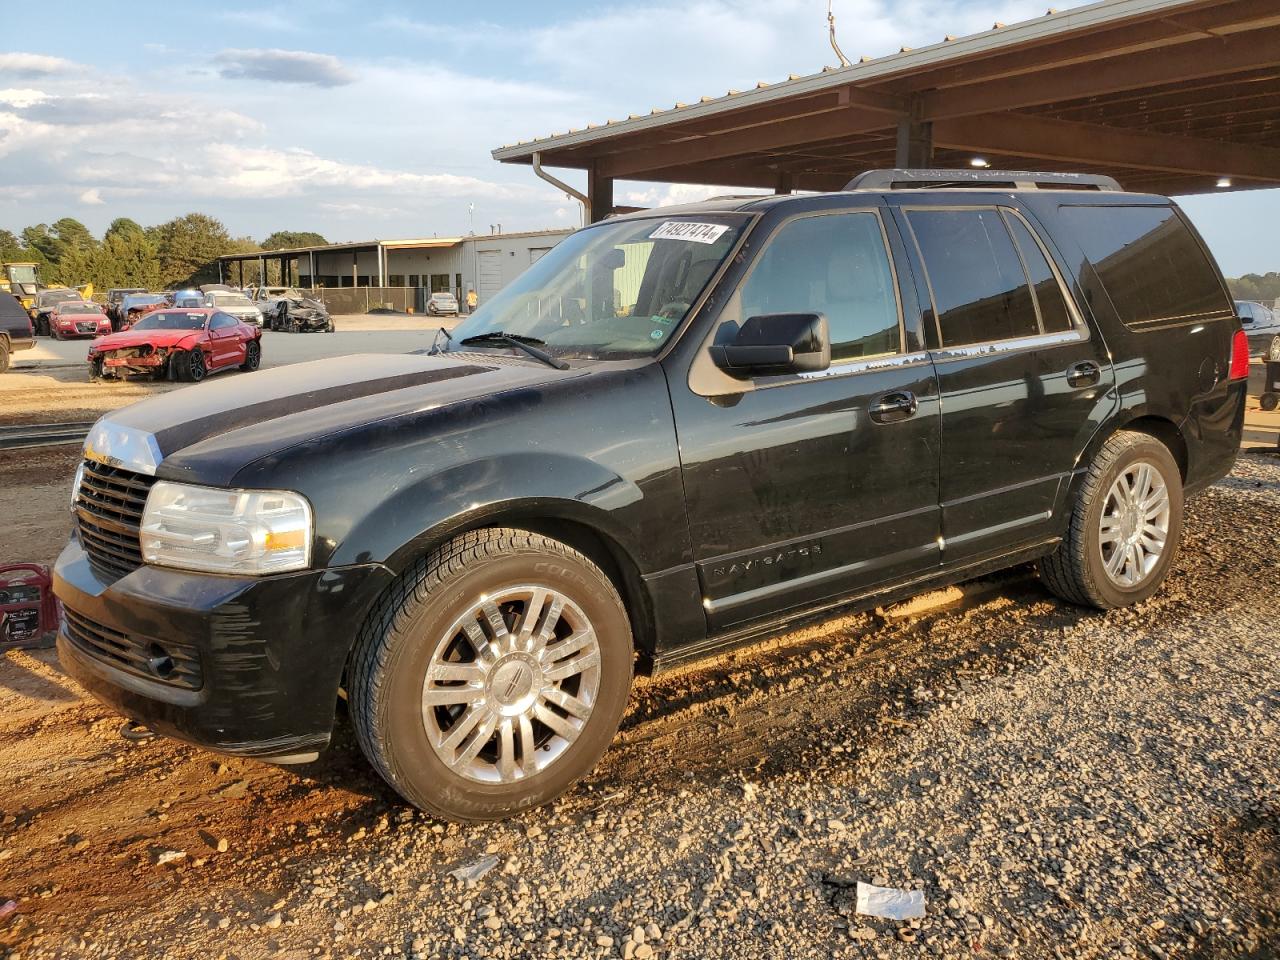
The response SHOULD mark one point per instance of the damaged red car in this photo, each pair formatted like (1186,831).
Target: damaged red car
(187,344)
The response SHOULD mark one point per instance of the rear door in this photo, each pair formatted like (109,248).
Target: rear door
(811,488)
(1023,381)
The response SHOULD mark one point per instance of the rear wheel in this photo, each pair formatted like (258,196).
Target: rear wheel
(493,676)
(252,356)
(1125,527)
(4,355)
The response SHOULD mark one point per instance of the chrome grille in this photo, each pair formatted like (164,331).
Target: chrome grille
(176,664)
(108,514)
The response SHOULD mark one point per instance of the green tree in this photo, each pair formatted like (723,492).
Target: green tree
(121,225)
(187,248)
(288,239)
(127,259)
(11,248)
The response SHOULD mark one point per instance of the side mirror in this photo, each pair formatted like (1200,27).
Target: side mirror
(776,343)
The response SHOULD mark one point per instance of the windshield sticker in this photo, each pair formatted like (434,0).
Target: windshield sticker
(688,230)
(656,335)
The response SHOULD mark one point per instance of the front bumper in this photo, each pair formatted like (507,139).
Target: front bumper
(268,652)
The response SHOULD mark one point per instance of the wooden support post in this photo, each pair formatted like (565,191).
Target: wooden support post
(785,184)
(599,196)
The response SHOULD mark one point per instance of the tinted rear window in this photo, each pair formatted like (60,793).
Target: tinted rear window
(1150,264)
(979,287)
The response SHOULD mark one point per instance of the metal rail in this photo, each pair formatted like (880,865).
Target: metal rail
(26,435)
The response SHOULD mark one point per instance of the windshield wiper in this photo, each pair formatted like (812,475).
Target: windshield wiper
(520,343)
(435,343)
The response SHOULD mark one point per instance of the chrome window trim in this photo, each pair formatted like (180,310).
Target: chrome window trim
(884,361)
(1013,345)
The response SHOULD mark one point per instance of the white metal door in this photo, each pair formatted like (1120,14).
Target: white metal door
(490,274)
(535,254)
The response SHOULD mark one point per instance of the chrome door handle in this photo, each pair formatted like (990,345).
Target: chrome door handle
(895,406)
(1084,374)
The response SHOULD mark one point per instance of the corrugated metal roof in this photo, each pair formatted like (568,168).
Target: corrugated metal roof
(1000,37)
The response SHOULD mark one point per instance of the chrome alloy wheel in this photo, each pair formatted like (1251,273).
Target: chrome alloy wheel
(511,684)
(1134,525)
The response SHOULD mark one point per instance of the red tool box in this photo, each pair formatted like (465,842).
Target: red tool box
(28,609)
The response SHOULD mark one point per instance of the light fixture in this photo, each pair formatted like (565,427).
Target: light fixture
(1224,182)
(979,162)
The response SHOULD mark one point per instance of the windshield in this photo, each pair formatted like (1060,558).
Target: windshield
(229,300)
(612,291)
(142,301)
(58,296)
(170,320)
(23,274)
(80,308)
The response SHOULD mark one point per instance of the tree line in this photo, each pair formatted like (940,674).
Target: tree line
(180,252)
(1262,287)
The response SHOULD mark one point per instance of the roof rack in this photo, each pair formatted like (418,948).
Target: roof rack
(990,179)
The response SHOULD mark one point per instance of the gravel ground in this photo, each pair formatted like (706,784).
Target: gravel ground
(1059,783)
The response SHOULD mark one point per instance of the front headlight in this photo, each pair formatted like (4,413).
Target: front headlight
(226,531)
(75,484)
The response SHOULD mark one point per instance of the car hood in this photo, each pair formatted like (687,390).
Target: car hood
(136,338)
(210,432)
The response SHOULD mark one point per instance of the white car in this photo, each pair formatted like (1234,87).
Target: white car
(440,304)
(236,304)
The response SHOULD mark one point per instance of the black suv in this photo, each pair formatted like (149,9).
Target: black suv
(678,431)
(15,329)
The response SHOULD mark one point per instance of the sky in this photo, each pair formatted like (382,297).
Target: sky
(376,119)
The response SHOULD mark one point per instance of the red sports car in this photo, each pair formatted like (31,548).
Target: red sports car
(179,344)
(78,318)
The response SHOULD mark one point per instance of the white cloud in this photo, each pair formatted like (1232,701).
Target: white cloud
(92,197)
(22,97)
(33,64)
(283,66)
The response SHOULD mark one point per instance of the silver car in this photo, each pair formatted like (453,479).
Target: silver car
(236,304)
(440,304)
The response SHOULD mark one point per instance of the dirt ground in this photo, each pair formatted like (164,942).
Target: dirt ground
(1060,782)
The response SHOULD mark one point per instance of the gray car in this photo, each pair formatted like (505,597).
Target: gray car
(1262,327)
(236,304)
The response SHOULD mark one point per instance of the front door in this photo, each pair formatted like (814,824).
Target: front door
(228,344)
(813,488)
(1024,383)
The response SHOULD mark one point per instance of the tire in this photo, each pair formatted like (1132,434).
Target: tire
(1077,571)
(95,369)
(1273,351)
(420,623)
(191,366)
(1269,401)
(252,356)
(4,355)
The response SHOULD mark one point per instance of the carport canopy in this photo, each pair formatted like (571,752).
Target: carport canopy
(1167,96)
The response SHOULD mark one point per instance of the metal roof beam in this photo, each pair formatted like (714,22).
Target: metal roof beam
(1188,61)
(783,134)
(1071,142)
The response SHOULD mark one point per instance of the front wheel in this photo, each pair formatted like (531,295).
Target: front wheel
(1269,401)
(493,676)
(1125,526)
(191,365)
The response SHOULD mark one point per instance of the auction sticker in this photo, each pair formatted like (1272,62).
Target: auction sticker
(688,230)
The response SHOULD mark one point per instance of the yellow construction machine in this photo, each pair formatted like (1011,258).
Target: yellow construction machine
(20,280)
